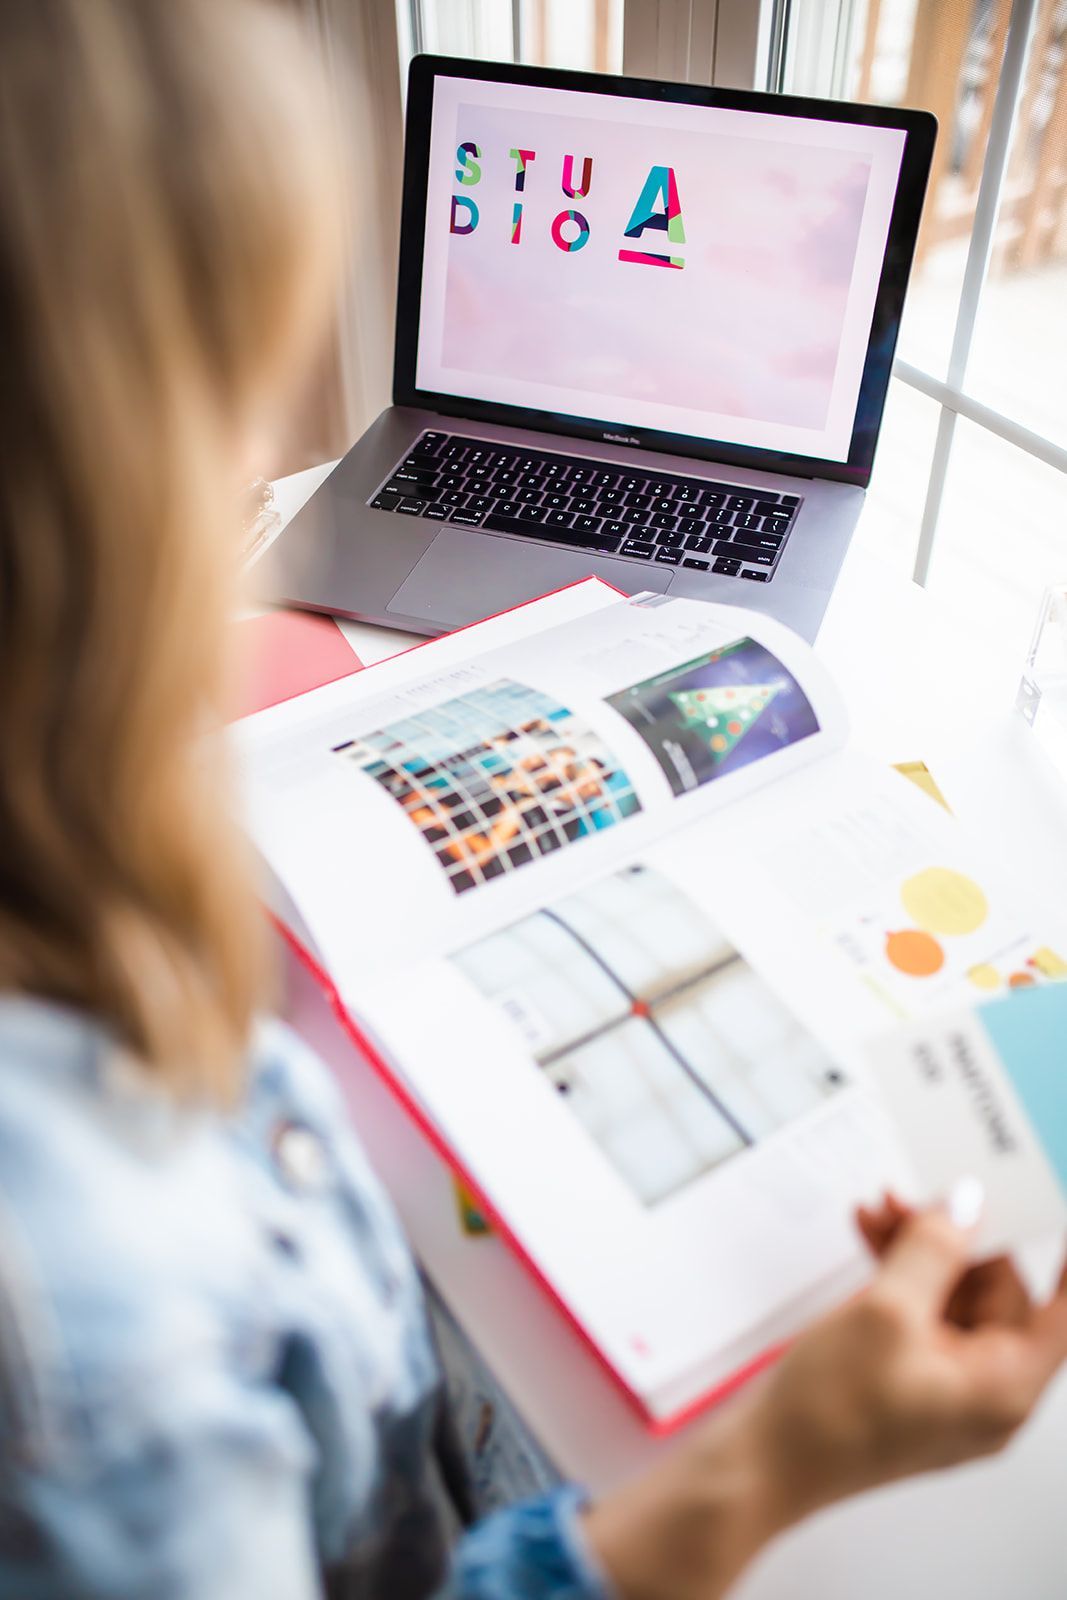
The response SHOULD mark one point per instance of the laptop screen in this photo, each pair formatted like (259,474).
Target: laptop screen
(698,270)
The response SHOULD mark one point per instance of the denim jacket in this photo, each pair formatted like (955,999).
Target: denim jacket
(216,1379)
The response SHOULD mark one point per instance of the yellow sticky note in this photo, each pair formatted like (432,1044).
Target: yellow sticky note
(919,773)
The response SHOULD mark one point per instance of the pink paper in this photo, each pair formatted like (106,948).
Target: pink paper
(285,653)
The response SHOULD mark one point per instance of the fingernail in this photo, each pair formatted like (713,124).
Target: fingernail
(966,1202)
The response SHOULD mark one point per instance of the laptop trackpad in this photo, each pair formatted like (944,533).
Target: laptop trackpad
(464,577)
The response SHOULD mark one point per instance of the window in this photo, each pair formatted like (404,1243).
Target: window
(696,41)
(581,34)
(970,481)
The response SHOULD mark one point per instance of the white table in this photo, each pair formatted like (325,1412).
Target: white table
(918,686)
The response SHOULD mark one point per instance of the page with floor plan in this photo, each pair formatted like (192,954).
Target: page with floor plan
(447,790)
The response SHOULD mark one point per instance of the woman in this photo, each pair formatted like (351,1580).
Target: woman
(215,1377)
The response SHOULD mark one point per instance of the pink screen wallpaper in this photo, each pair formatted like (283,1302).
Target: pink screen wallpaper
(663,275)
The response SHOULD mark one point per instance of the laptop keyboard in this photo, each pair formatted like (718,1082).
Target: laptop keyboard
(726,528)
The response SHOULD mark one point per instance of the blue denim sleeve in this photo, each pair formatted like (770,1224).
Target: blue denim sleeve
(535,1550)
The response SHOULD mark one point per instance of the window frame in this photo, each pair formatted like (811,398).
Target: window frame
(824,40)
(753,44)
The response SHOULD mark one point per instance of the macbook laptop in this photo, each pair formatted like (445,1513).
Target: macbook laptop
(644,331)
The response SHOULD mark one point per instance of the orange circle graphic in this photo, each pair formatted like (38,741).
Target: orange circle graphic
(915,953)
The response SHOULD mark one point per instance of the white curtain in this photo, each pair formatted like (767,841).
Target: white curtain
(358,39)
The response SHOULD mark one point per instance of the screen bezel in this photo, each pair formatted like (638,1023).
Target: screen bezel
(920,129)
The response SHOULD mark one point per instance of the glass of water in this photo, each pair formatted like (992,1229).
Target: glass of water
(1042,696)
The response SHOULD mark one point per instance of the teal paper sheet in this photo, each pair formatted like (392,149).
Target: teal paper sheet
(1029,1033)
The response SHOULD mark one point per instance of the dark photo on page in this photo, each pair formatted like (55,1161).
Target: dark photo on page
(725,710)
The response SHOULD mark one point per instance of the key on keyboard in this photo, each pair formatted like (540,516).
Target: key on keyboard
(732,529)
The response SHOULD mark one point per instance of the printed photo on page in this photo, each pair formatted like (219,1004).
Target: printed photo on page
(724,710)
(658,1036)
(495,778)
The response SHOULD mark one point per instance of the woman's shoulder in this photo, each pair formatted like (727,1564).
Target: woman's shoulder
(140,1430)
(139,1239)
(80,1122)
(63,1109)
(108,1194)
(131,1230)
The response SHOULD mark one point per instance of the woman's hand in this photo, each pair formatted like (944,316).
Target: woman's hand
(933,1364)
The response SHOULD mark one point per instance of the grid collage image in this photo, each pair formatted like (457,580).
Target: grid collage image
(495,778)
(668,1048)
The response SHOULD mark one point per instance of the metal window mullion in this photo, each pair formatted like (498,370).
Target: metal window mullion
(776,50)
(516,30)
(418,43)
(1014,433)
(998,148)
(814,44)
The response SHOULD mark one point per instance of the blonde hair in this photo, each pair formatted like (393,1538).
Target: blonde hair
(166,249)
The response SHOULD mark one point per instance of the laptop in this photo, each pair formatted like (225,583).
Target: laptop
(644,331)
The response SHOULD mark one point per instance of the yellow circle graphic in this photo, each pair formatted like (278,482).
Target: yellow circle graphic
(943,901)
(985,976)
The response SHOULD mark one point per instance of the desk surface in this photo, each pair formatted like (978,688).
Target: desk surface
(918,685)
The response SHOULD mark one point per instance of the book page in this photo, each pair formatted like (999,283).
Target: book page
(884,906)
(661,1077)
(445,791)
(676,1148)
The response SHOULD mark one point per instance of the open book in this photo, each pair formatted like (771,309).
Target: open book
(606,897)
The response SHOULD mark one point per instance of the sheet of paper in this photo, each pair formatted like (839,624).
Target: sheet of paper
(983,1093)
(282,654)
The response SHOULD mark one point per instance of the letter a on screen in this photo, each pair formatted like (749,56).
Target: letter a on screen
(658,208)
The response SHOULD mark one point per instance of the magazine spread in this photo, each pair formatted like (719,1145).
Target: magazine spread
(603,887)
